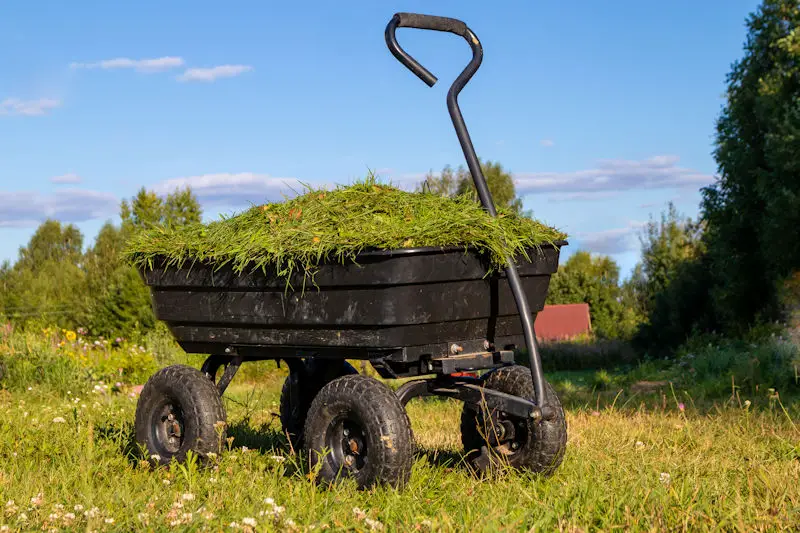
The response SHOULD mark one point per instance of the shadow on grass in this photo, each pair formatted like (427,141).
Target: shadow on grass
(445,459)
(123,436)
(263,439)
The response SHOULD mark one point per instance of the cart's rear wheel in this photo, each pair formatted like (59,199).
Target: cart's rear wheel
(517,442)
(357,428)
(303,388)
(179,410)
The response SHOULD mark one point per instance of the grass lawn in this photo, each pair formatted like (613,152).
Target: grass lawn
(67,464)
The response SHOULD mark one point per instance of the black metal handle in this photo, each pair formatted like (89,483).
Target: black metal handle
(423,22)
(429,22)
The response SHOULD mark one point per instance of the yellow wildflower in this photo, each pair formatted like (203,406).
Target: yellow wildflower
(71,336)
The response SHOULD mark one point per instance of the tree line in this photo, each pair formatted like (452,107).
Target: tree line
(54,281)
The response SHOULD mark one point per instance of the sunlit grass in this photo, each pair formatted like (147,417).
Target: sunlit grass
(69,462)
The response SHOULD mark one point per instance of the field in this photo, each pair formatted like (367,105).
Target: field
(642,455)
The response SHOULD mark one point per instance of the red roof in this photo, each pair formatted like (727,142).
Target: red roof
(556,322)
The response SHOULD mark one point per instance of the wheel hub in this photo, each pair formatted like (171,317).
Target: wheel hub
(169,428)
(348,444)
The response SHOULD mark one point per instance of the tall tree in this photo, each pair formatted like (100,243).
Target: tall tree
(593,279)
(453,183)
(47,282)
(666,245)
(121,303)
(753,209)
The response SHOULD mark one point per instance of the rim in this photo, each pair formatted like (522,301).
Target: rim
(167,428)
(347,441)
(515,431)
(504,434)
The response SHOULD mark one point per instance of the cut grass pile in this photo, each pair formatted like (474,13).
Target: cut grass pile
(335,225)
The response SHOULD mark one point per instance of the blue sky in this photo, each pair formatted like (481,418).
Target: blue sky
(603,111)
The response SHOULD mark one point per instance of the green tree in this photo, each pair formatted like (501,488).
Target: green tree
(753,210)
(47,283)
(453,183)
(146,209)
(593,279)
(666,245)
(668,289)
(121,301)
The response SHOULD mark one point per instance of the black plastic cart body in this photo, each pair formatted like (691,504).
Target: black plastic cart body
(429,313)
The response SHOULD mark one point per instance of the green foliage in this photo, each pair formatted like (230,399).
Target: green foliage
(593,279)
(321,225)
(48,281)
(583,354)
(452,183)
(64,359)
(669,287)
(54,281)
(753,210)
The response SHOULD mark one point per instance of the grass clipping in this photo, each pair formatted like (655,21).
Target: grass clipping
(322,226)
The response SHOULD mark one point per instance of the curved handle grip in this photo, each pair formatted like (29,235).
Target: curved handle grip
(425,22)
(431,22)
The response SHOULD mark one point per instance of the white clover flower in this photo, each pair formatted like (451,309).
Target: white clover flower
(188,497)
(665,478)
(268,501)
(155,457)
(78,508)
(109,520)
(69,516)
(249,521)
(59,420)
(639,444)
(374,524)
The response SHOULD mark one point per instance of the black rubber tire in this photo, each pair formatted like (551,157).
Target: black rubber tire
(383,431)
(195,402)
(541,447)
(318,374)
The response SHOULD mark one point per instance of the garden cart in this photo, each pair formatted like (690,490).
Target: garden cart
(432,314)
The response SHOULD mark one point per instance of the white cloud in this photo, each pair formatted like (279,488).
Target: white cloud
(16,106)
(214,73)
(231,189)
(587,196)
(29,208)
(660,172)
(70,177)
(612,241)
(547,143)
(158,64)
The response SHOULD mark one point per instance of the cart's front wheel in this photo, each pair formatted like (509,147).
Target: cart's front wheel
(357,428)
(492,438)
(179,410)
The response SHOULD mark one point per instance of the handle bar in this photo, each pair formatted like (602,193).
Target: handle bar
(425,22)
(429,22)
